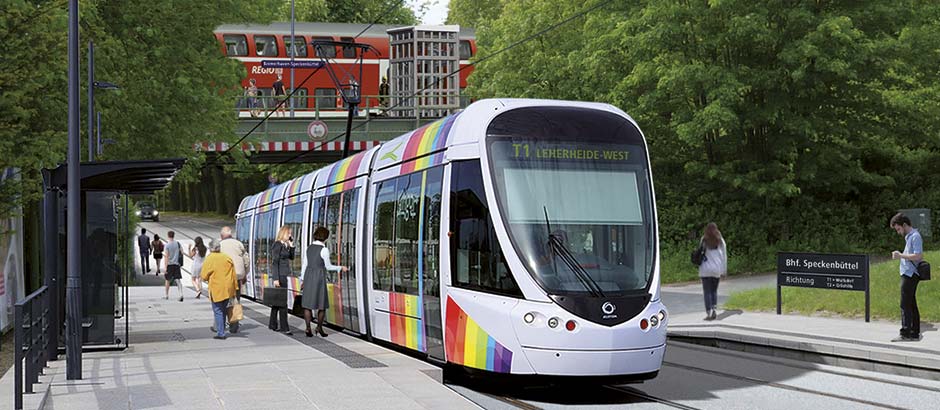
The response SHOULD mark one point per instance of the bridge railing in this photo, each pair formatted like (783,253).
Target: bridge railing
(316,106)
(32,329)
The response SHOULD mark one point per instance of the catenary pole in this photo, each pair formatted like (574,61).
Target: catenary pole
(73,297)
(293,50)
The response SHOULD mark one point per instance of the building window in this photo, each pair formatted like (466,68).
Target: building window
(235,45)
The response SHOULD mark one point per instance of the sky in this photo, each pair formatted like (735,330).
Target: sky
(436,14)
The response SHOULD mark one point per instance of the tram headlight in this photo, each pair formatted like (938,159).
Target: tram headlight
(529,318)
(654,320)
(661,315)
(553,322)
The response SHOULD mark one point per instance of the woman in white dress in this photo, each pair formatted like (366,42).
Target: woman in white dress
(197,252)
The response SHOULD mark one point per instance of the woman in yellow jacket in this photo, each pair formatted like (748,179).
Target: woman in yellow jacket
(219,272)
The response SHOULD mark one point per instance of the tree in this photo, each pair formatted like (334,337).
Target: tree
(473,13)
(350,11)
(774,119)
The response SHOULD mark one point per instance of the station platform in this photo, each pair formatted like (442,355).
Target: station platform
(174,363)
(843,342)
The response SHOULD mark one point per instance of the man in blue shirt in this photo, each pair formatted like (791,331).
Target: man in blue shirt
(913,253)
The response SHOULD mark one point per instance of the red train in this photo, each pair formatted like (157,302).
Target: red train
(252,44)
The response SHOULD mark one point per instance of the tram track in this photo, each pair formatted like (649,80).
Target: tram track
(649,398)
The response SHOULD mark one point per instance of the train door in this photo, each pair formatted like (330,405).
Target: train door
(430,233)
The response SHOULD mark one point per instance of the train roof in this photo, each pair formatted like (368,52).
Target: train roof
(422,142)
(326,29)
(346,170)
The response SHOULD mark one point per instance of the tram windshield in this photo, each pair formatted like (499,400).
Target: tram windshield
(573,189)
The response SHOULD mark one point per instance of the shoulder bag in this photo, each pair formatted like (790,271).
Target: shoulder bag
(923,270)
(698,255)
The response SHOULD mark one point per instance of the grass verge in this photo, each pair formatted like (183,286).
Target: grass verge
(885,297)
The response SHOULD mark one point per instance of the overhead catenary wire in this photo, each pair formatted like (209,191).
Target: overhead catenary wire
(472,64)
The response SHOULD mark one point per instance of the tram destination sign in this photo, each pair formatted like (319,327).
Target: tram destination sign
(823,271)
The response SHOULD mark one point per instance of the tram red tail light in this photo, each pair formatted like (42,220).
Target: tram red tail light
(644,324)
(571,325)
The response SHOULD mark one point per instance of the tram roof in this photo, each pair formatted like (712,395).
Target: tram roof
(325,29)
(347,169)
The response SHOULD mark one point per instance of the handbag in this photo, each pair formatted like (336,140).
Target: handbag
(236,313)
(274,297)
(923,270)
(698,255)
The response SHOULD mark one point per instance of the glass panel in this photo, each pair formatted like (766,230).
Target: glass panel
(332,223)
(243,231)
(300,98)
(406,233)
(294,218)
(478,261)
(326,98)
(384,251)
(465,50)
(235,45)
(573,185)
(266,46)
(348,52)
(265,229)
(324,50)
(348,249)
(299,46)
(432,229)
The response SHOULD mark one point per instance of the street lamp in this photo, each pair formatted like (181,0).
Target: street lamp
(104,85)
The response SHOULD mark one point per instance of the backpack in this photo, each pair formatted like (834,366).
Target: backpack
(698,255)
(923,270)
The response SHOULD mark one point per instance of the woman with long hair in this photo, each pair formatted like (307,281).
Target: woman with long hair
(713,267)
(197,252)
(314,287)
(157,247)
(282,252)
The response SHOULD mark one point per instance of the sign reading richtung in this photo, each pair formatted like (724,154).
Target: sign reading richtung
(823,271)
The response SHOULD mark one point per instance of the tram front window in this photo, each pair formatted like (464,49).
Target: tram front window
(578,207)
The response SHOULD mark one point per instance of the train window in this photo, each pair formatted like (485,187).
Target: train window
(266,46)
(235,45)
(300,98)
(384,251)
(294,217)
(326,97)
(406,234)
(299,46)
(466,51)
(477,260)
(348,52)
(324,50)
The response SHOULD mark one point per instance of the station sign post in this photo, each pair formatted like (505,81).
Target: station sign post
(824,271)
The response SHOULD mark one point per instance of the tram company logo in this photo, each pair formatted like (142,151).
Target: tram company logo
(608,309)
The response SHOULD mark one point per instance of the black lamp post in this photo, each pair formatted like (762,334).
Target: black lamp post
(92,85)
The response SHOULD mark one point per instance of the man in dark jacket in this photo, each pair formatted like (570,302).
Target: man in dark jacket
(143,244)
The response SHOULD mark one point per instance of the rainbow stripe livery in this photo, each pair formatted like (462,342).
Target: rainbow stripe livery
(425,140)
(405,324)
(345,171)
(466,343)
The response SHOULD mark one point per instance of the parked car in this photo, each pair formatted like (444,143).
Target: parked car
(146,210)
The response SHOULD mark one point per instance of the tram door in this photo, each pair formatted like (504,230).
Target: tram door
(431,276)
(347,239)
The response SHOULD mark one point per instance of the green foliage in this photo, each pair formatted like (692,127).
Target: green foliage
(793,125)
(473,13)
(885,297)
(350,11)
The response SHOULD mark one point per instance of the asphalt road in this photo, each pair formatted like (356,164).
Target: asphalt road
(692,377)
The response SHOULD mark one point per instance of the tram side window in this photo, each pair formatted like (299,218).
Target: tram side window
(242,228)
(406,234)
(347,235)
(432,230)
(317,215)
(266,46)
(235,45)
(331,222)
(384,250)
(478,261)
(264,238)
(294,217)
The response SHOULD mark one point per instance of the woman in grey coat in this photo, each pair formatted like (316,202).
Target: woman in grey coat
(314,286)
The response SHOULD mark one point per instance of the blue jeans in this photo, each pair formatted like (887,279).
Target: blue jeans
(218,309)
(710,289)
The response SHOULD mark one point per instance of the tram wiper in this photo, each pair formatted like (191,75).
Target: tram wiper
(559,249)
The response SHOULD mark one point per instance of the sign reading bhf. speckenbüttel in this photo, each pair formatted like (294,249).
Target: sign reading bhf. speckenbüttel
(826,271)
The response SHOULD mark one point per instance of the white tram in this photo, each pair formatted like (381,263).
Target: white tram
(516,236)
